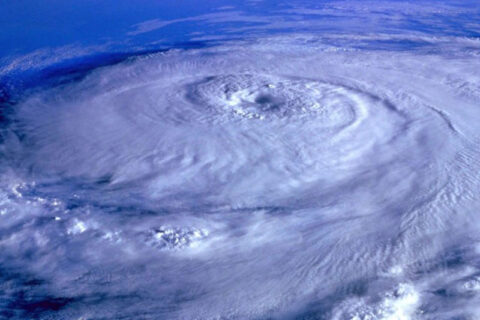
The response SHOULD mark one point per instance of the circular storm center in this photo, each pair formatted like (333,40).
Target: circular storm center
(273,98)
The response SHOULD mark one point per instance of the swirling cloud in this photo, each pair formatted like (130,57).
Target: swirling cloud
(253,179)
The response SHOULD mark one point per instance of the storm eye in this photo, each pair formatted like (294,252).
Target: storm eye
(247,97)
(264,99)
(268,102)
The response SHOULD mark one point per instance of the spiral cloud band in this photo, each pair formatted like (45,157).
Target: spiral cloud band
(289,177)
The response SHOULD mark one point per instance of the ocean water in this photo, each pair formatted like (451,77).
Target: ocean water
(240,160)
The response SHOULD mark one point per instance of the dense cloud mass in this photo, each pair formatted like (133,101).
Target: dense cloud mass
(288,177)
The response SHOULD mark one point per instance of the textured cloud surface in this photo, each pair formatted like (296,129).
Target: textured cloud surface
(288,177)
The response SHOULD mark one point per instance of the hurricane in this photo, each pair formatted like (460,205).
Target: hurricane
(291,175)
